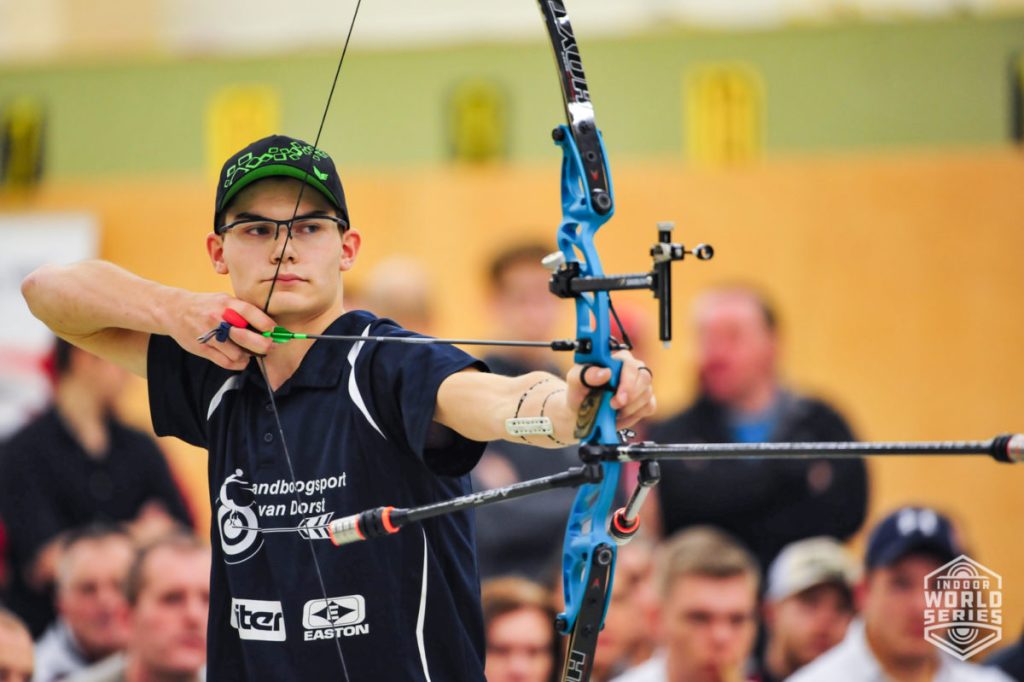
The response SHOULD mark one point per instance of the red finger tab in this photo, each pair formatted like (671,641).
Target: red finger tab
(232,317)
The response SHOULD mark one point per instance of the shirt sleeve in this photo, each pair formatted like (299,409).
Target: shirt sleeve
(404,380)
(181,387)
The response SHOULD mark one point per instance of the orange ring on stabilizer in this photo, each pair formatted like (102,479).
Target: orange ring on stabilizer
(617,521)
(385,518)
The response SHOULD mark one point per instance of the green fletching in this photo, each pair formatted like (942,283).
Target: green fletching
(280,335)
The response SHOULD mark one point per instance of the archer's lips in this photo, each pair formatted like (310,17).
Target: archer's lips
(284,279)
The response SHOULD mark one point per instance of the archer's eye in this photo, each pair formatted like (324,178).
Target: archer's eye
(259,230)
(309,227)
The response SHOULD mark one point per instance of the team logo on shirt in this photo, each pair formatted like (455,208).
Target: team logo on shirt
(238,523)
(258,619)
(335,617)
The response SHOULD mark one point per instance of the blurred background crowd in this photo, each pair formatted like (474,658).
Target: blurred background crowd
(855,163)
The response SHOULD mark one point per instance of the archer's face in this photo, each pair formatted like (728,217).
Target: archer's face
(309,280)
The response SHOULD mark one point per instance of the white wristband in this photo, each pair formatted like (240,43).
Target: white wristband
(529,426)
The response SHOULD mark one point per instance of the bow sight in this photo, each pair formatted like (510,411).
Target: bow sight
(568,282)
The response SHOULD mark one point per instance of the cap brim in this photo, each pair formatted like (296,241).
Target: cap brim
(276,171)
(939,550)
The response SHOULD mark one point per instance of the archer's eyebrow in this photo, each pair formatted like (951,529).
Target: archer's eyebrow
(245,215)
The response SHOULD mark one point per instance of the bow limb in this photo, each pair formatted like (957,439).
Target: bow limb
(588,554)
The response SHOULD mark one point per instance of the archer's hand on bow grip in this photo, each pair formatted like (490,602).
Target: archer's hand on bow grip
(634,396)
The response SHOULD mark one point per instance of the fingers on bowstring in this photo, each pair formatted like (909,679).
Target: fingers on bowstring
(246,324)
(227,355)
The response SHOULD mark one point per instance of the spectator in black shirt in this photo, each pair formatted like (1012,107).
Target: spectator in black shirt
(75,464)
(766,503)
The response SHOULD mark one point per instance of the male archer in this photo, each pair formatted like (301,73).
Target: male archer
(365,424)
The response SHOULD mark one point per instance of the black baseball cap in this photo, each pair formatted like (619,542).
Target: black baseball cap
(280,156)
(912,530)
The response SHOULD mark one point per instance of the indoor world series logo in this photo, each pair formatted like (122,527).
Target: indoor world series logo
(963,612)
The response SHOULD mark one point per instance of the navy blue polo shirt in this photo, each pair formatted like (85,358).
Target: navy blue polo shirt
(358,419)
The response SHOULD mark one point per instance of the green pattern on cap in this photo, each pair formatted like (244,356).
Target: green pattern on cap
(313,179)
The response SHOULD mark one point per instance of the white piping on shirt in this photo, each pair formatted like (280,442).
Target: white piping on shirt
(423,610)
(229,384)
(353,387)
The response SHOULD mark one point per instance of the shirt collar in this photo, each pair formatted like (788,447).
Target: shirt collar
(324,362)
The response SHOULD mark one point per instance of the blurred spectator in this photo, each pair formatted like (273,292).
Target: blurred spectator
(90,602)
(75,464)
(521,536)
(519,627)
(398,288)
(168,593)
(15,649)
(889,642)
(808,604)
(708,584)
(766,503)
(524,309)
(1010,660)
(628,636)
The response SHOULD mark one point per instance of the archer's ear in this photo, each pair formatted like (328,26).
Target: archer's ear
(215,248)
(351,240)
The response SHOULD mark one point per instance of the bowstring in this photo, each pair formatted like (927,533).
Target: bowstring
(261,361)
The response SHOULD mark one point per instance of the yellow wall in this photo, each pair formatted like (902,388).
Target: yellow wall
(898,278)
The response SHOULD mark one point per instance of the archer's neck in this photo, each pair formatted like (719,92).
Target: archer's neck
(284,359)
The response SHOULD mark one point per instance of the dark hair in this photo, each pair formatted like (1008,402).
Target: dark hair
(177,540)
(531,253)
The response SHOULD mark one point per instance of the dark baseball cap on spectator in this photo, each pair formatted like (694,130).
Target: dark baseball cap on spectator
(280,156)
(912,530)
